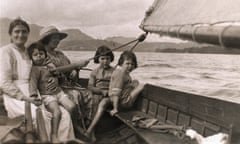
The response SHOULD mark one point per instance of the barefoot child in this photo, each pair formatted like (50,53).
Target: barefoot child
(122,90)
(100,77)
(52,97)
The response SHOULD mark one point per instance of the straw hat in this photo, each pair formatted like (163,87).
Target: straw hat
(46,32)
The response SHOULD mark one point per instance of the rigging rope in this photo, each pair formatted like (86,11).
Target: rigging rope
(69,67)
(141,38)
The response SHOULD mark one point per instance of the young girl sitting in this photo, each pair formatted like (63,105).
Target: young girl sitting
(52,97)
(100,77)
(122,90)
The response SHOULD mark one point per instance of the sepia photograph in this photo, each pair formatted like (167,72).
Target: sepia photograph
(120,72)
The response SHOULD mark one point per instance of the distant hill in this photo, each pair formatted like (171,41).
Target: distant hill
(76,34)
(120,39)
(87,45)
(154,46)
(73,34)
(188,47)
(78,40)
(207,49)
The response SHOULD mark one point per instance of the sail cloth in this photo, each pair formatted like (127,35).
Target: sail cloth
(185,18)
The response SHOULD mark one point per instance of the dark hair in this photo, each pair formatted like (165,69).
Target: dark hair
(36,45)
(103,51)
(126,55)
(16,22)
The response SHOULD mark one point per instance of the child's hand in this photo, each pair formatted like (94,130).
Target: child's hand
(51,65)
(113,112)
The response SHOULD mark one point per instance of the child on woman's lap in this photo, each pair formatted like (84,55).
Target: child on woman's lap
(52,97)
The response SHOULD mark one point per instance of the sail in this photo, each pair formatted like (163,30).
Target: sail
(209,21)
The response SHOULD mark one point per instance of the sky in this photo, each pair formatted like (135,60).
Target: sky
(97,18)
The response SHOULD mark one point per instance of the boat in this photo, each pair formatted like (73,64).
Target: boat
(162,115)
(173,108)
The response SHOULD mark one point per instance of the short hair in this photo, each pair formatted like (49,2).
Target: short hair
(36,45)
(126,55)
(103,51)
(17,22)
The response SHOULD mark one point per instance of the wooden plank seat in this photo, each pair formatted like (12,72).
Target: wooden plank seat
(149,136)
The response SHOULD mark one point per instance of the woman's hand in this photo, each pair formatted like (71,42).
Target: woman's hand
(105,93)
(73,74)
(35,100)
(86,62)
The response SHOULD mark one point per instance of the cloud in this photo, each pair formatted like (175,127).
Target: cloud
(99,17)
(129,29)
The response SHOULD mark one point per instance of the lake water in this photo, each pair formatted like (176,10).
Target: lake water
(212,75)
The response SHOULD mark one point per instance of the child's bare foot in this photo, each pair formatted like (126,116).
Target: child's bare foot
(93,138)
(55,139)
(113,112)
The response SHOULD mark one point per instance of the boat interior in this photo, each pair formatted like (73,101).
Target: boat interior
(176,109)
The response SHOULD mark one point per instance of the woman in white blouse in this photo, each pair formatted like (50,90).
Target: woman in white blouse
(15,68)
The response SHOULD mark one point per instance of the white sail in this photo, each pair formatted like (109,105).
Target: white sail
(185,12)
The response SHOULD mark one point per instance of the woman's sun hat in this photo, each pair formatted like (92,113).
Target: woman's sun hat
(46,32)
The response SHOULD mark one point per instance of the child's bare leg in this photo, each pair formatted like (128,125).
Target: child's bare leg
(71,107)
(101,108)
(53,107)
(115,101)
(134,94)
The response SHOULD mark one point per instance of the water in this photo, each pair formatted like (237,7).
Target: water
(211,75)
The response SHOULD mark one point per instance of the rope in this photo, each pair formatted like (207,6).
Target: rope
(141,38)
(76,65)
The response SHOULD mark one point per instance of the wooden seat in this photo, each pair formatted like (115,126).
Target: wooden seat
(147,135)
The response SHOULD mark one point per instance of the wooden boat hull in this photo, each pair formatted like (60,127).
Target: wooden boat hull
(203,114)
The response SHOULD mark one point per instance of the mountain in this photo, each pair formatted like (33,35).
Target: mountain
(73,34)
(76,34)
(203,50)
(78,40)
(168,47)
(153,46)
(120,39)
